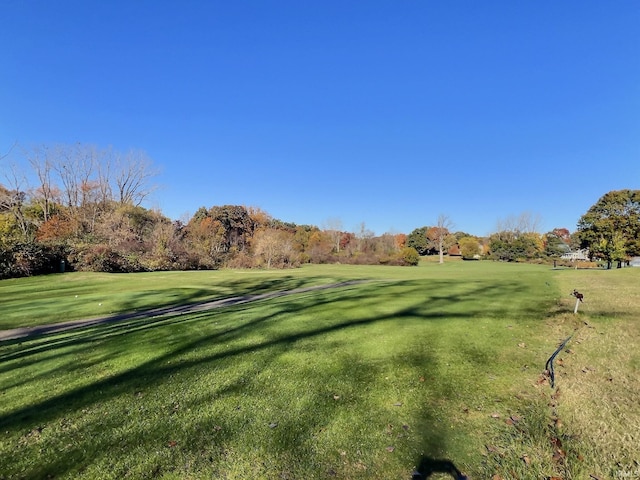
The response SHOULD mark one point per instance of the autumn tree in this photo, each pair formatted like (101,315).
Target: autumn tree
(164,247)
(237,224)
(469,247)
(85,201)
(133,175)
(89,181)
(418,239)
(386,244)
(319,247)
(58,229)
(348,243)
(206,238)
(259,217)
(526,222)
(274,247)
(400,240)
(333,228)
(216,234)
(301,237)
(14,203)
(409,256)
(611,227)
(517,238)
(556,242)
(563,234)
(365,239)
(439,237)
(46,194)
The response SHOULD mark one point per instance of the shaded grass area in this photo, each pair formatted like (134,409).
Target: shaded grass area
(364,381)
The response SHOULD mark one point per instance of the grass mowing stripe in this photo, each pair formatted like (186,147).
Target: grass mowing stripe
(54,298)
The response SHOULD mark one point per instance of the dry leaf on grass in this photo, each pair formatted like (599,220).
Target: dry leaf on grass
(556,442)
(559,456)
(491,449)
(556,423)
(542,379)
(513,419)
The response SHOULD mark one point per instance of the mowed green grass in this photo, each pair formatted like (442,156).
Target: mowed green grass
(27,302)
(362,381)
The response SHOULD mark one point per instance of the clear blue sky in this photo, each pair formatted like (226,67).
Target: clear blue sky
(383,112)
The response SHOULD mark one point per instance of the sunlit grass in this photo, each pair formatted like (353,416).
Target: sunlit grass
(361,381)
(588,426)
(55,298)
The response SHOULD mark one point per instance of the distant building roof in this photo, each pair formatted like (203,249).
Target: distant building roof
(582,254)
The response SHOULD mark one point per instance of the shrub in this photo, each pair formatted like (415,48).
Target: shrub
(24,260)
(409,256)
(241,260)
(102,258)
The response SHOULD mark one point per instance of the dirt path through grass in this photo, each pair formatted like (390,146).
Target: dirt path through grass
(17,333)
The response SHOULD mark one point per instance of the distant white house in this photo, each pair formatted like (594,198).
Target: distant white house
(634,262)
(582,254)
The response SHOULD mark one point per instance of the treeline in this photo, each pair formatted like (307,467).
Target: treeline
(85,213)
(608,233)
(129,238)
(515,241)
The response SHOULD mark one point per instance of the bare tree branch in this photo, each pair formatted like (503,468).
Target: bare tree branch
(14,199)
(2,157)
(443,226)
(133,173)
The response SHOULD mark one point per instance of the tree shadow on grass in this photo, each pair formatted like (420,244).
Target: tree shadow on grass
(146,297)
(88,337)
(152,316)
(224,343)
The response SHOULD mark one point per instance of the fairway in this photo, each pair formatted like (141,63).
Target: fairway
(435,366)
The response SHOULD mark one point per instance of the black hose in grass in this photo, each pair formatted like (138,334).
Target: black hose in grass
(549,365)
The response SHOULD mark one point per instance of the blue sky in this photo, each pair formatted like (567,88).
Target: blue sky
(383,112)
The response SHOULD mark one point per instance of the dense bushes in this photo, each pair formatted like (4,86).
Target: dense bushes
(409,256)
(23,260)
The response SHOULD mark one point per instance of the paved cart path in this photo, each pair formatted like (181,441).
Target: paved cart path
(22,332)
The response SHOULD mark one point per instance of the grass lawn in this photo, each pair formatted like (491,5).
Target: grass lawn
(48,299)
(437,365)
